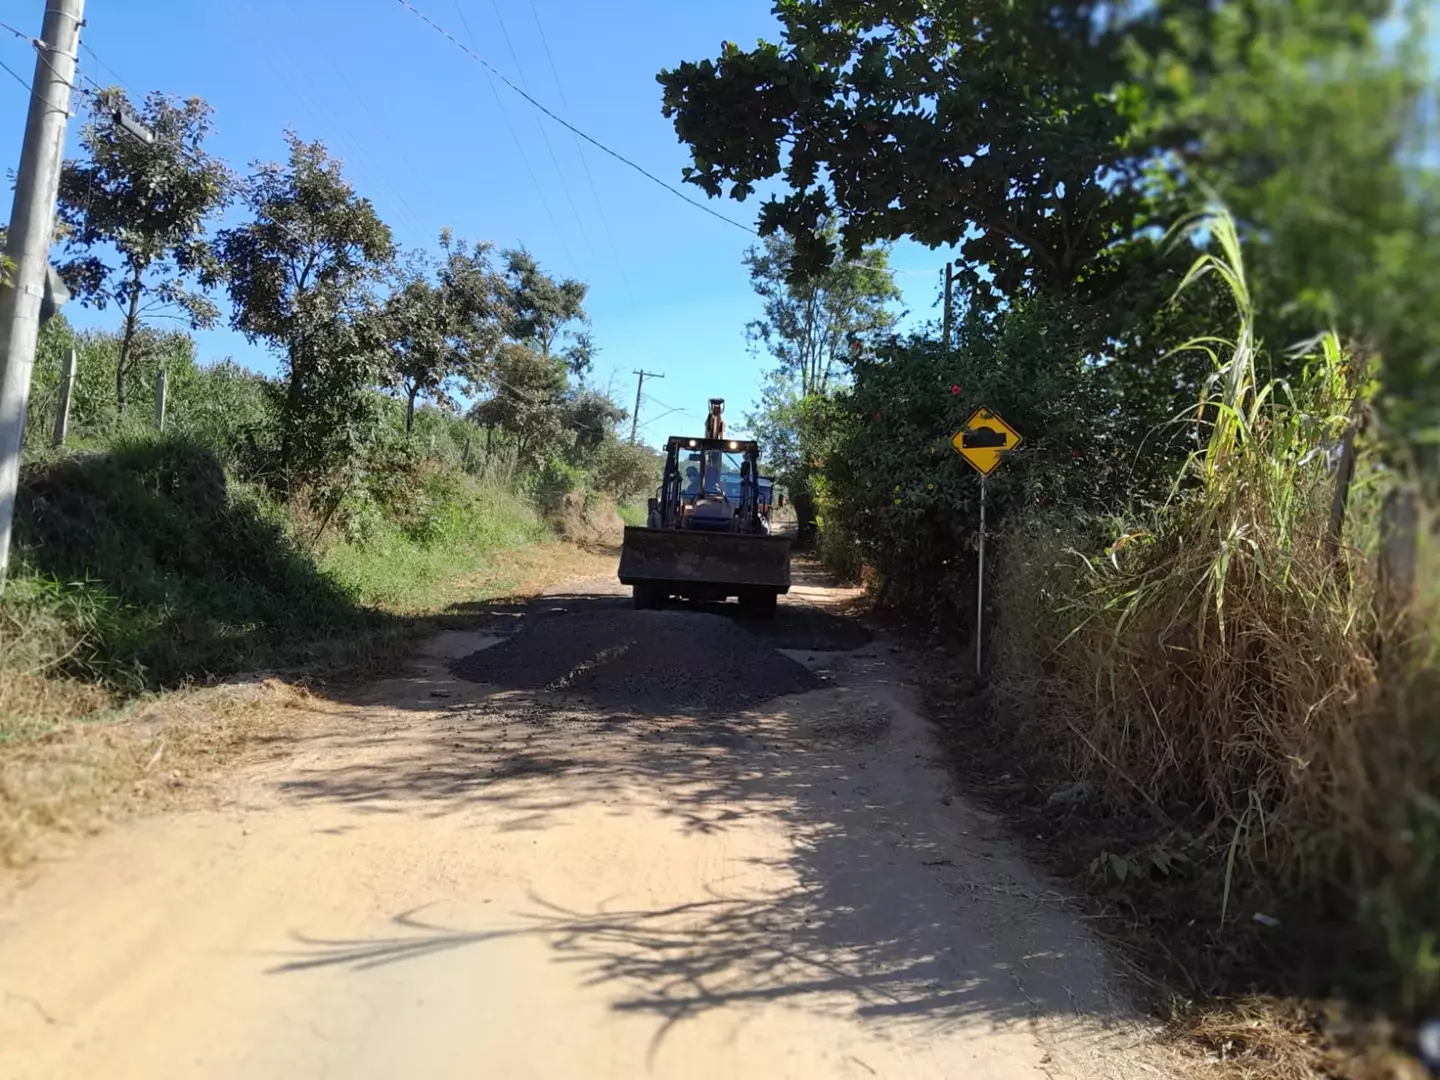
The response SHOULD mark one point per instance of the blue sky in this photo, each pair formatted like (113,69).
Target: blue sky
(433,141)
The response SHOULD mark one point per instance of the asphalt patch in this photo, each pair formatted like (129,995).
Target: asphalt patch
(645,661)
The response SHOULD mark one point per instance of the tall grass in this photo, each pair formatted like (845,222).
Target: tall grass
(1227,670)
(148,565)
(413,566)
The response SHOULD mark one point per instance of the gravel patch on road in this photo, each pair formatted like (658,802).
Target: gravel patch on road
(653,661)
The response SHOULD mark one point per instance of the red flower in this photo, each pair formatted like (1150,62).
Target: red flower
(956,388)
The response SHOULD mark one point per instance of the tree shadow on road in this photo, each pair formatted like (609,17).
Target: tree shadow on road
(873,912)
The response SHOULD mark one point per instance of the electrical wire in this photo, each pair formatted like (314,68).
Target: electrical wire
(96,57)
(519,147)
(20,79)
(40,49)
(313,100)
(565,123)
(540,124)
(580,152)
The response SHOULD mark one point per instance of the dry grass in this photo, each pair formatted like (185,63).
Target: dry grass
(1254,733)
(529,571)
(78,776)
(32,703)
(73,761)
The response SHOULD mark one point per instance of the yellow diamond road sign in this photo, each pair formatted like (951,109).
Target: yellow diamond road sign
(984,440)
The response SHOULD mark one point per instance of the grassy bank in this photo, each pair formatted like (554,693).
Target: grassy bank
(400,573)
(1224,722)
(146,567)
(145,571)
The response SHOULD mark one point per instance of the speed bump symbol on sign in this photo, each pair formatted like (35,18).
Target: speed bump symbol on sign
(984,440)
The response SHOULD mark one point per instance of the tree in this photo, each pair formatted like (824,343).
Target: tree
(150,203)
(990,122)
(1027,131)
(526,400)
(477,297)
(544,312)
(1315,137)
(301,277)
(626,470)
(814,325)
(593,417)
(440,323)
(417,331)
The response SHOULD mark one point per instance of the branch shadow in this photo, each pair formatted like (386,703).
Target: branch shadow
(873,914)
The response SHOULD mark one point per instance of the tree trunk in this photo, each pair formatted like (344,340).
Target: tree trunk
(411,395)
(803,500)
(127,340)
(288,421)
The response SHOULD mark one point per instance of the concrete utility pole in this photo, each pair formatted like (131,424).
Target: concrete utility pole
(635,416)
(28,244)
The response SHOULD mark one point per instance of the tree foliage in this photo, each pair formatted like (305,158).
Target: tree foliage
(526,391)
(441,323)
(815,326)
(547,314)
(149,204)
(300,276)
(993,124)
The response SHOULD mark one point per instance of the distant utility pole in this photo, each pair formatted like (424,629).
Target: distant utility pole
(949,294)
(635,417)
(32,220)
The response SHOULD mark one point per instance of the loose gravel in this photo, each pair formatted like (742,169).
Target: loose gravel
(650,661)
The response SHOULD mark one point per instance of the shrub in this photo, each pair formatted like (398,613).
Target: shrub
(161,568)
(1227,669)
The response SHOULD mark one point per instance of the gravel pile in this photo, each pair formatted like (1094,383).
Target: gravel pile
(650,661)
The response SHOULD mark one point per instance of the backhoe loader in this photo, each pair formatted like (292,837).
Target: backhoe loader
(707,534)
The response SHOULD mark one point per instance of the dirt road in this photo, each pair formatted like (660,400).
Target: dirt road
(575,869)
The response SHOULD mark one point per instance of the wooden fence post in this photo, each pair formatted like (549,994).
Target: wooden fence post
(67,388)
(1399,538)
(1344,477)
(161,389)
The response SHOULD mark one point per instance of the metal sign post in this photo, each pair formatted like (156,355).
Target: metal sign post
(983,442)
(980,586)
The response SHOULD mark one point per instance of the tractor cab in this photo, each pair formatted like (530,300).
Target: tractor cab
(709,484)
(707,533)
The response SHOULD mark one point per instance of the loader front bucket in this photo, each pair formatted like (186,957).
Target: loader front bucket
(704,565)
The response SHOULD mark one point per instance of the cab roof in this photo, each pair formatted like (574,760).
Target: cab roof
(733,446)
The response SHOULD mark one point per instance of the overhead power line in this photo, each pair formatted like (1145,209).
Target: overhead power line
(519,146)
(565,123)
(580,152)
(96,57)
(17,77)
(544,134)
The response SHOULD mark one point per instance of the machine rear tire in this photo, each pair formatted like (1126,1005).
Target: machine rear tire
(647,597)
(761,603)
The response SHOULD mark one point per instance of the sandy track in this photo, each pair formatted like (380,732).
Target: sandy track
(458,880)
